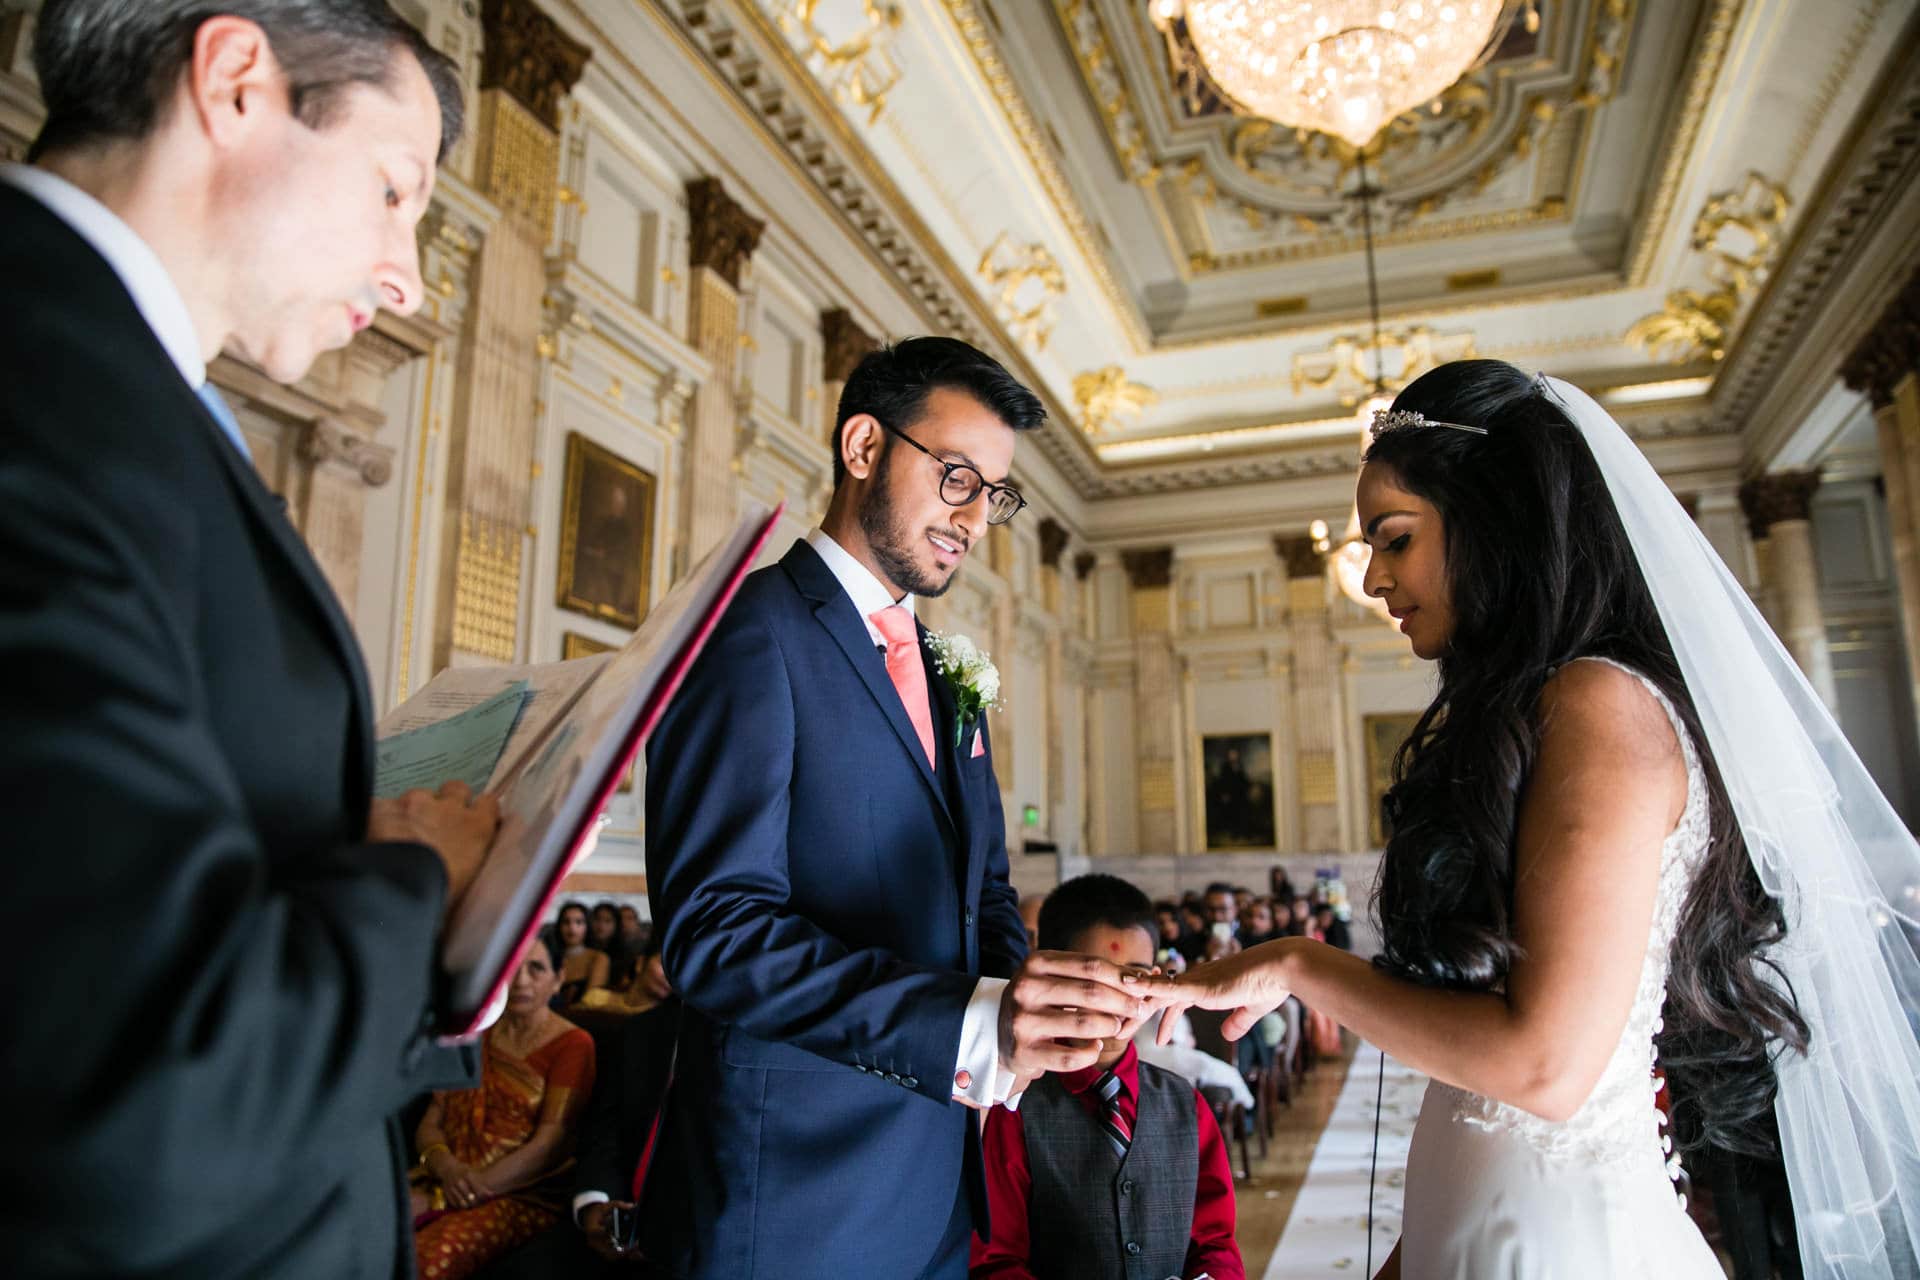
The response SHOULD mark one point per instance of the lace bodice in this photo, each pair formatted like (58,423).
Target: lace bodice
(1619,1118)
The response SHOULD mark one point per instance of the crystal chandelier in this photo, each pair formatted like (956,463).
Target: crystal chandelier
(1344,67)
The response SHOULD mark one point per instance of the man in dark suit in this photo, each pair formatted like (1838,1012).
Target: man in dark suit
(234,947)
(827,862)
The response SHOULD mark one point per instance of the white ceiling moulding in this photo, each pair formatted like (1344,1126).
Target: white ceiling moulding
(1853,248)
(755,60)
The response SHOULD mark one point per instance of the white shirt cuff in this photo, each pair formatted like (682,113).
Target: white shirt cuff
(586,1198)
(979,1061)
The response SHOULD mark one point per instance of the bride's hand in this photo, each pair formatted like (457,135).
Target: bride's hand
(1252,984)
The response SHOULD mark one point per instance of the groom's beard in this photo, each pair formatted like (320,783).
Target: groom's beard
(892,542)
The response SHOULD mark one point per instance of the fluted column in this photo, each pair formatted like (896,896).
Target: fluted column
(527,69)
(1314,694)
(843,344)
(1779,510)
(1053,600)
(721,238)
(1006,618)
(1885,367)
(1156,698)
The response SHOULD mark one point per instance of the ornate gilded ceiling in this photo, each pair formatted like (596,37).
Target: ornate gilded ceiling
(1253,228)
(1605,197)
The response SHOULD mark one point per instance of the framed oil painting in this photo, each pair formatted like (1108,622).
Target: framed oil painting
(1239,790)
(606,535)
(1384,734)
(574,645)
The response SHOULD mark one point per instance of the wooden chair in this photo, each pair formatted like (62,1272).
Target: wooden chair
(1206,1024)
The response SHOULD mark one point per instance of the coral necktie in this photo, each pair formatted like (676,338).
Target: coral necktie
(908,671)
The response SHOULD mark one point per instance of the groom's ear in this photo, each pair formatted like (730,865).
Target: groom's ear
(861,440)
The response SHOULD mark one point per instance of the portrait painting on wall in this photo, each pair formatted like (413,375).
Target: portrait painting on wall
(1384,734)
(1239,790)
(606,534)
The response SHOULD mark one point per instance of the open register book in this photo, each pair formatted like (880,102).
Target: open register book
(552,741)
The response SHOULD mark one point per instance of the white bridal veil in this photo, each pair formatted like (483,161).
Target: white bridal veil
(1826,844)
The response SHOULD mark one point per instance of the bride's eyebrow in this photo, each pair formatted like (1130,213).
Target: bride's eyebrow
(1374,524)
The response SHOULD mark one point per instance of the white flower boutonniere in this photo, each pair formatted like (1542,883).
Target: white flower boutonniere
(971,673)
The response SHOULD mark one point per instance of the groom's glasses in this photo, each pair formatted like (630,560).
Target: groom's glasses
(960,484)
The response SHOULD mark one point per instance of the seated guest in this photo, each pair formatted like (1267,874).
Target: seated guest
(1166,916)
(1167,953)
(581,967)
(1256,923)
(1118,1169)
(648,990)
(1280,885)
(616,1137)
(1331,928)
(603,935)
(1223,922)
(1193,930)
(635,933)
(1302,915)
(485,1183)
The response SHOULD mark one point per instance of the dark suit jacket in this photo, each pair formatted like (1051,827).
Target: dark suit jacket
(827,900)
(634,1058)
(216,997)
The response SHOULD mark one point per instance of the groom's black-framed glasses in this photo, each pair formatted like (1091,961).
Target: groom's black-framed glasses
(960,483)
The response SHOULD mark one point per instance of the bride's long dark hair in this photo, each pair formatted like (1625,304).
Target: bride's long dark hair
(1541,572)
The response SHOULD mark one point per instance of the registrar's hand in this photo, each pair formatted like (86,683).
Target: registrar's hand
(1060,1006)
(453,822)
(1252,984)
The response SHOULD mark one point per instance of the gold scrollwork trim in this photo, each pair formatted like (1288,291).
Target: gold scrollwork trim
(860,70)
(974,34)
(1738,232)
(1103,395)
(1024,281)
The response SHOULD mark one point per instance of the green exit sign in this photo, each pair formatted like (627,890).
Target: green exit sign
(1031,815)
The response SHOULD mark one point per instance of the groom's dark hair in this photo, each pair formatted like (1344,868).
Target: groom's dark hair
(894,382)
(1086,901)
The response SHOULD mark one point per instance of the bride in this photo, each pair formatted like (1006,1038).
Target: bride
(1627,847)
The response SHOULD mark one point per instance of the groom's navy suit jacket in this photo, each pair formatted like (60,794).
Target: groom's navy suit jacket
(827,902)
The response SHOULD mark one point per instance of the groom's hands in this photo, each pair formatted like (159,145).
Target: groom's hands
(1060,1006)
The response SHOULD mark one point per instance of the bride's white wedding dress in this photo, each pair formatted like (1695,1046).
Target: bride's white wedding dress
(1494,1193)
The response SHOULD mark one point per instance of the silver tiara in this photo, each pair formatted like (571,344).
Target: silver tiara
(1385,420)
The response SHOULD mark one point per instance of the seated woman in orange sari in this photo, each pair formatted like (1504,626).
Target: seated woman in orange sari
(489,1157)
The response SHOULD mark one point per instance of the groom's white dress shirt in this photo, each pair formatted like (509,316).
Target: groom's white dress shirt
(979,1058)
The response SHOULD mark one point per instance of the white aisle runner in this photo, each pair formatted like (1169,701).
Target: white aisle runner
(1326,1234)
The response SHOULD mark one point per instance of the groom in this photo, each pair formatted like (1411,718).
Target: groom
(826,858)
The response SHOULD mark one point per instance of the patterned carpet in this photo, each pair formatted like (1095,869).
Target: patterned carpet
(1326,1233)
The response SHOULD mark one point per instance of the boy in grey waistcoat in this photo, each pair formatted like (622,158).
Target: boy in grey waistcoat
(1117,1170)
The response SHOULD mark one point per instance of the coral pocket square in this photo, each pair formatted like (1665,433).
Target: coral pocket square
(979,744)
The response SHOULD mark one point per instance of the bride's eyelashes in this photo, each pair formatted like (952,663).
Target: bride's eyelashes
(1399,544)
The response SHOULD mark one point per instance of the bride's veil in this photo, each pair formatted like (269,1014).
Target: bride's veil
(1826,844)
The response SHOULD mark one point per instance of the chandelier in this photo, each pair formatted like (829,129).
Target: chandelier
(1347,559)
(1344,67)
